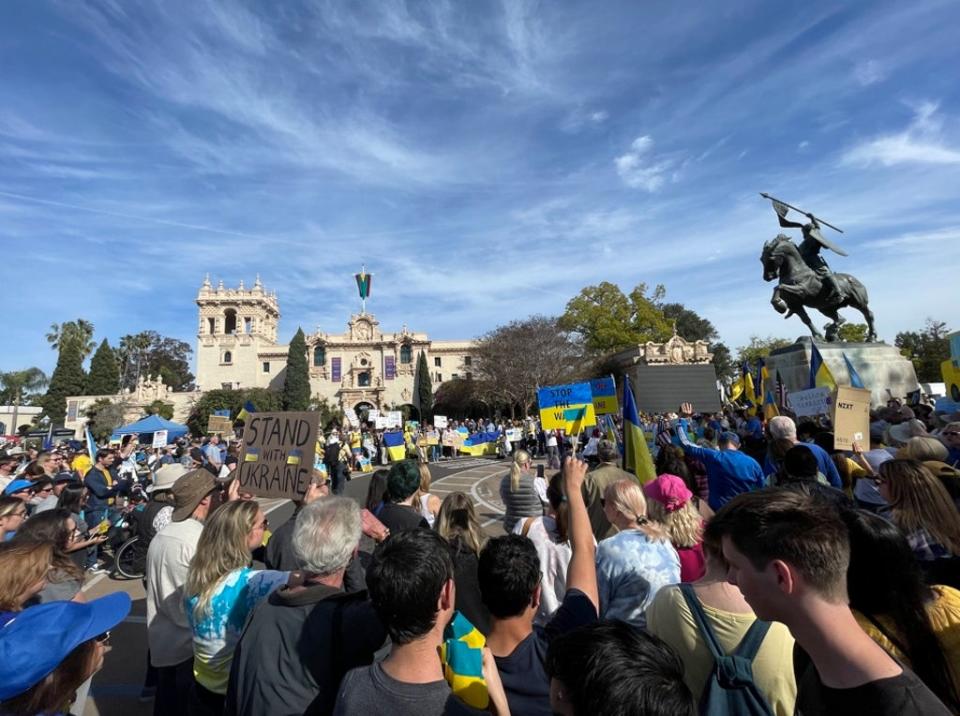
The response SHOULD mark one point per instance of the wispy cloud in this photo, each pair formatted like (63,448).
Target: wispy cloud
(869,72)
(639,168)
(922,142)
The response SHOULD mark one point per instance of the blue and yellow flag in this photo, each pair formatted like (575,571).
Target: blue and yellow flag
(736,389)
(364,281)
(395,445)
(855,380)
(462,655)
(481,444)
(820,375)
(566,407)
(604,396)
(749,390)
(636,454)
(770,409)
(245,411)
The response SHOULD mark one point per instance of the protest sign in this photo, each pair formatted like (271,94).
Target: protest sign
(394,419)
(381,423)
(567,407)
(433,437)
(514,434)
(450,438)
(815,401)
(604,392)
(352,418)
(372,415)
(219,424)
(851,418)
(439,421)
(159,439)
(278,454)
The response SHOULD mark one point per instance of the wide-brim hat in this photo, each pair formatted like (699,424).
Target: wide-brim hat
(189,491)
(902,432)
(164,478)
(35,641)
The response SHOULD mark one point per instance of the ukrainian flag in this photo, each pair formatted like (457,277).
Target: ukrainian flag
(251,454)
(749,391)
(462,655)
(481,444)
(636,455)
(855,380)
(770,409)
(245,411)
(820,375)
(736,389)
(396,448)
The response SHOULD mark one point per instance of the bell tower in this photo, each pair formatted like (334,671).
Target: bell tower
(234,324)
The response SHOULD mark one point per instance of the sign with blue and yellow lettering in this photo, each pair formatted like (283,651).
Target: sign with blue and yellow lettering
(566,407)
(604,396)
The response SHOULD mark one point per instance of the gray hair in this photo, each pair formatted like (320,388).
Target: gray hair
(782,427)
(326,534)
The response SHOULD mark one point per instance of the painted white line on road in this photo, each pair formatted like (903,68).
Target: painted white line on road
(95,580)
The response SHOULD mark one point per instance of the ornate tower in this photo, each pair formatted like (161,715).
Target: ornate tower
(235,324)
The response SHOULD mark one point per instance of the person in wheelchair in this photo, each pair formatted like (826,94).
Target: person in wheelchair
(149,518)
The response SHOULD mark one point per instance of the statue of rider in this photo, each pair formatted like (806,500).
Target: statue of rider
(809,249)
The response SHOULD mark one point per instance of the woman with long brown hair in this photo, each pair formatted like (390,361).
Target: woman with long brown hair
(458,524)
(921,507)
(23,573)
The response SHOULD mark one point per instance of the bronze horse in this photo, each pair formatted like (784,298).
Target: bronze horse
(800,286)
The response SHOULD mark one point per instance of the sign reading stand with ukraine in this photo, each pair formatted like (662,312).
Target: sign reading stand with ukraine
(604,396)
(278,454)
(567,407)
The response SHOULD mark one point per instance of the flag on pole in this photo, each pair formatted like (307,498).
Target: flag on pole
(749,390)
(780,208)
(636,456)
(759,381)
(820,375)
(770,409)
(91,445)
(245,411)
(364,281)
(855,380)
(48,440)
(736,389)
(781,391)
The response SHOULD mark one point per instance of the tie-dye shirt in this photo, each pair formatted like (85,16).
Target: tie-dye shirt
(631,569)
(216,634)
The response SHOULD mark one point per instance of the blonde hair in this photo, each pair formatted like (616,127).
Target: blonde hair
(21,566)
(425,477)
(520,458)
(683,525)
(222,548)
(919,501)
(458,518)
(924,448)
(626,497)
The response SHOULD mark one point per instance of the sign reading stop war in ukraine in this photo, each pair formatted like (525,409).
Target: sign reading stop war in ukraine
(566,407)
(604,396)
(278,451)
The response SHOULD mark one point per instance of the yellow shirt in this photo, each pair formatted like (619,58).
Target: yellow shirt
(944,614)
(81,464)
(670,618)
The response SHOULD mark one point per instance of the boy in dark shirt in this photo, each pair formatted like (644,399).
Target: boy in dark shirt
(788,552)
(509,574)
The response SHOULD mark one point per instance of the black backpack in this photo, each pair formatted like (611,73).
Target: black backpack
(730,688)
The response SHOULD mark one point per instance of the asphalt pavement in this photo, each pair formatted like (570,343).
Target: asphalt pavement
(116,688)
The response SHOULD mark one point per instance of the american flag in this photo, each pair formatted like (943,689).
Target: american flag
(781,391)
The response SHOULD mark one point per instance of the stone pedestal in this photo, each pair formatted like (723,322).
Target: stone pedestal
(881,367)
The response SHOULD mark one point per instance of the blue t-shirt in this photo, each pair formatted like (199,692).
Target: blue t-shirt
(729,472)
(824,465)
(631,568)
(755,427)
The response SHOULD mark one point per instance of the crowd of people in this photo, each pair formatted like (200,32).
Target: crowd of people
(761,572)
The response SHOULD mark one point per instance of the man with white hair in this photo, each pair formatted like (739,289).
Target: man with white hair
(299,642)
(783,427)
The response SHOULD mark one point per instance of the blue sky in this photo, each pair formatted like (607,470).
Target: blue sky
(486,160)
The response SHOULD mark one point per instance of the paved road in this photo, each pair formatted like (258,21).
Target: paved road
(117,686)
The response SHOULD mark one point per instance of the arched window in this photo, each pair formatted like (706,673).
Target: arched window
(406,353)
(230,321)
(319,356)
(363,379)
(227,357)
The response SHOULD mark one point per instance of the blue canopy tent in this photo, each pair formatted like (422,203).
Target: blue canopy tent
(146,427)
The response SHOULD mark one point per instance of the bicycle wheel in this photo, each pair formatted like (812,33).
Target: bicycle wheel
(128,561)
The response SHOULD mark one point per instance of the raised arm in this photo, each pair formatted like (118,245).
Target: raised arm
(582,572)
(788,224)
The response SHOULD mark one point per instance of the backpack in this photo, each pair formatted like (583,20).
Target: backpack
(730,688)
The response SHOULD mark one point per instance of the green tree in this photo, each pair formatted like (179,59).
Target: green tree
(104,416)
(926,349)
(79,331)
(104,378)
(458,398)
(330,414)
(68,379)
(608,320)
(424,396)
(16,385)
(233,400)
(723,363)
(853,332)
(161,408)
(690,325)
(759,348)
(296,382)
(148,353)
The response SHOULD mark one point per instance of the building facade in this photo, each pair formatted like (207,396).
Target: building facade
(361,368)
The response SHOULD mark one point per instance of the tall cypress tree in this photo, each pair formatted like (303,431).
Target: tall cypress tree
(68,379)
(104,378)
(296,383)
(424,388)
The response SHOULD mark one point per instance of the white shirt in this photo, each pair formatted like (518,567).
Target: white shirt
(168,634)
(554,560)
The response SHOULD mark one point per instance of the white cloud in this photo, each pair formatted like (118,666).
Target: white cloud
(921,142)
(869,72)
(638,169)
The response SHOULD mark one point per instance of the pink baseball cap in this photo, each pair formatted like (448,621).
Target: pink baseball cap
(669,490)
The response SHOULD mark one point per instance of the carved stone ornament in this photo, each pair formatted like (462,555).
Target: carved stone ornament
(676,351)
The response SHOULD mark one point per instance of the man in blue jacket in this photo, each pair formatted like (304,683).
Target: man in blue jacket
(783,427)
(729,471)
(102,488)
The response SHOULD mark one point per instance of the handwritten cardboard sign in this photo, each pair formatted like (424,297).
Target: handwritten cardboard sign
(219,424)
(278,454)
(851,418)
(815,401)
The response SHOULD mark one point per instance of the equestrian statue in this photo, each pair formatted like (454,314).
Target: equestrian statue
(805,278)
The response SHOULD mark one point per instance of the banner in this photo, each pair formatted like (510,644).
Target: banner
(278,454)
(159,439)
(390,367)
(335,370)
(813,401)
(219,424)
(851,418)
(566,407)
(439,421)
(604,396)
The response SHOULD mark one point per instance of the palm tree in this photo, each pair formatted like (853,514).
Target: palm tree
(79,330)
(133,348)
(19,382)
